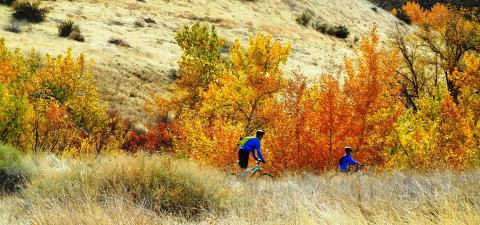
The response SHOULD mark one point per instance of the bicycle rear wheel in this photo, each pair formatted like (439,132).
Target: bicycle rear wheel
(267,175)
(258,174)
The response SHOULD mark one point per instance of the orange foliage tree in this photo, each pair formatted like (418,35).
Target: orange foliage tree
(441,129)
(447,36)
(309,123)
(372,91)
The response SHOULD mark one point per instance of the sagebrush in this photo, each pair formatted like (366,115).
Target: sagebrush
(30,10)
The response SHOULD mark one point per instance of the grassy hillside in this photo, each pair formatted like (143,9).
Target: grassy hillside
(149,189)
(143,64)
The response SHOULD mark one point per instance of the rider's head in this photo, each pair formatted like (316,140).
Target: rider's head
(260,134)
(348,150)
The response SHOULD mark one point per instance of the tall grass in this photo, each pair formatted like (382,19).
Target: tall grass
(147,189)
(13,172)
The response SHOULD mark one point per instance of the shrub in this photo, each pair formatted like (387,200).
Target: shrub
(66,28)
(139,24)
(71,30)
(29,10)
(158,138)
(304,18)
(13,27)
(13,173)
(321,27)
(149,20)
(7,2)
(337,31)
(341,31)
(77,36)
(118,42)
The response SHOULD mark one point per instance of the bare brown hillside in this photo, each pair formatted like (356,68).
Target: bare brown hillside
(128,75)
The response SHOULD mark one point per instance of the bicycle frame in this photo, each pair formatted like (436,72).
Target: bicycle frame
(253,170)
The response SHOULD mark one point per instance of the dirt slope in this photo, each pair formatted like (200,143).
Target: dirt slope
(127,76)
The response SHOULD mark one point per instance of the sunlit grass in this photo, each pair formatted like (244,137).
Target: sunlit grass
(150,189)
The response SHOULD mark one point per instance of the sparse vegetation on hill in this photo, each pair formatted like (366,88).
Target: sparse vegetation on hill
(337,31)
(13,27)
(119,42)
(304,18)
(65,28)
(71,30)
(127,76)
(30,10)
(7,2)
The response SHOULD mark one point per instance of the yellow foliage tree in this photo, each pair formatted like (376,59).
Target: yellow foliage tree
(50,106)
(256,75)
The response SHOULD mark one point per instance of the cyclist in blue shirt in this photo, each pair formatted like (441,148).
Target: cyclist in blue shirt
(250,145)
(347,160)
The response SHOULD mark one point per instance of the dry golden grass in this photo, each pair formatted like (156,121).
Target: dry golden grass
(109,190)
(127,76)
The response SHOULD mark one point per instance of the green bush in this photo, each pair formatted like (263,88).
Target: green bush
(304,18)
(341,31)
(69,29)
(337,31)
(13,173)
(29,10)
(7,2)
(66,27)
(321,27)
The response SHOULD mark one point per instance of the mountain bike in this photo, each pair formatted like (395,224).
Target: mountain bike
(358,171)
(255,171)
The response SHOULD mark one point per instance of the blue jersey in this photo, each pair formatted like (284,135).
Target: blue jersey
(252,144)
(346,161)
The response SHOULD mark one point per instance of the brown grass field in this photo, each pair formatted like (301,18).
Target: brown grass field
(152,189)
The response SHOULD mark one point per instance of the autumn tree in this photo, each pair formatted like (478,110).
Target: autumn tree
(447,36)
(333,112)
(255,75)
(220,97)
(372,91)
(200,64)
(441,57)
(288,133)
(49,105)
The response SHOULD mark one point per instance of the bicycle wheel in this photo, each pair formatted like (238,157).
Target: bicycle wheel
(259,174)
(267,175)
(231,169)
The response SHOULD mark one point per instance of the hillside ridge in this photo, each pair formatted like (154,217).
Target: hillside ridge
(127,76)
